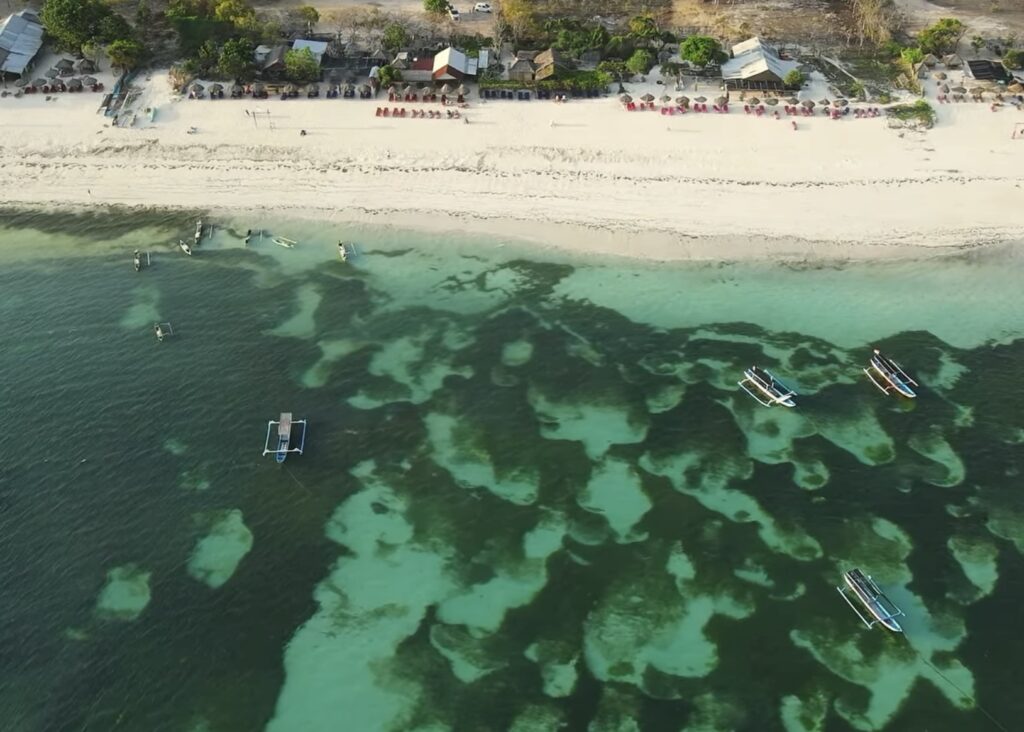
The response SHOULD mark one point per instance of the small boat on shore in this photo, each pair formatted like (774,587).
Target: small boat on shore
(283,241)
(185,247)
(283,435)
(765,388)
(889,376)
(199,232)
(137,261)
(871,599)
(248,236)
(344,251)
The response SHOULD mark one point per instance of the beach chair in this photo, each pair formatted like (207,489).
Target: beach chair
(379,111)
(387,112)
(746,108)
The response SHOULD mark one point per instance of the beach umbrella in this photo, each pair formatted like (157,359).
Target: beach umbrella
(237,88)
(807,103)
(313,87)
(461,90)
(392,89)
(197,88)
(754,101)
(840,103)
(683,100)
(292,89)
(940,75)
(944,88)
(65,66)
(350,87)
(958,90)
(665,99)
(74,84)
(771,101)
(23,81)
(40,82)
(700,100)
(258,88)
(364,89)
(721,100)
(446,89)
(824,102)
(52,73)
(625,99)
(792,100)
(216,88)
(86,64)
(977,91)
(647,98)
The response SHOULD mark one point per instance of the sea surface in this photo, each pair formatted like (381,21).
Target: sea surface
(533,497)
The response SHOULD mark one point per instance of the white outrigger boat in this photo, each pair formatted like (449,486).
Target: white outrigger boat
(199,232)
(765,388)
(872,599)
(185,247)
(137,261)
(162,330)
(284,437)
(283,241)
(889,376)
(345,251)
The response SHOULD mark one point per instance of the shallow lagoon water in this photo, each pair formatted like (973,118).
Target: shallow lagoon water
(533,495)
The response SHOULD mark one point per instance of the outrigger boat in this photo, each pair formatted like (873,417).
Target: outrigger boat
(889,376)
(765,388)
(185,247)
(345,251)
(199,231)
(162,330)
(284,437)
(283,241)
(137,261)
(872,599)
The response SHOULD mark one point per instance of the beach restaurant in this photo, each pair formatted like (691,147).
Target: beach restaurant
(754,64)
(21,37)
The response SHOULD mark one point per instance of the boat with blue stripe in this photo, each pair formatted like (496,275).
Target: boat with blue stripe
(889,376)
(283,435)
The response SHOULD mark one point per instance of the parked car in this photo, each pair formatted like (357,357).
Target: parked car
(453,13)
(482,8)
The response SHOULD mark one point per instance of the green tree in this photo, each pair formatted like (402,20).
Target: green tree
(701,50)
(309,14)
(395,37)
(113,28)
(620,47)
(236,59)
(207,56)
(977,43)
(73,22)
(643,27)
(794,79)
(388,75)
(640,62)
(614,67)
(436,7)
(236,12)
(301,66)
(943,37)
(1014,59)
(143,14)
(125,54)
(912,56)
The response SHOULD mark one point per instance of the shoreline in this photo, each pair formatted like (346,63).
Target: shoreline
(585,177)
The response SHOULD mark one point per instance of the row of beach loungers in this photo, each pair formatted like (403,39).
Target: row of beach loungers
(459,99)
(417,113)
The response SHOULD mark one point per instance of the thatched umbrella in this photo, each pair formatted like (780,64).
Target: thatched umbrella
(75,84)
(446,89)
(292,89)
(647,98)
(197,88)
(721,100)
(364,89)
(807,104)
(683,100)
(65,66)
(349,87)
(392,89)
(978,91)
(461,90)
(216,88)
(824,102)
(944,88)
(754,101)
(52,73)
(625,99)
(958,90)
(700,100)
(258,88)
(771,101)
(86,65)
(314,87)
(665,99)
(40,82)
(840,103)
(237,89)
(940,75)
(793,101)
(23,81)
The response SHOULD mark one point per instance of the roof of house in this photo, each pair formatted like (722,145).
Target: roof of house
(522,64)
(753,57)
(317,48)
(21,37)
(985,70)
(276,56)
(456,63)
(548,57)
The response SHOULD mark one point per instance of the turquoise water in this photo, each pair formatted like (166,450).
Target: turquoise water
(532,496)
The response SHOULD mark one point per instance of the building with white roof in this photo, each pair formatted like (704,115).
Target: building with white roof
(21,37)
(756,65)
(317,48)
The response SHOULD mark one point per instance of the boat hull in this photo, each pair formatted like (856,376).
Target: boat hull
(880,607)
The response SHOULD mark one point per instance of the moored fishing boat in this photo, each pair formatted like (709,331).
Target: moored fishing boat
(283,435)
(199,231)
(344,250)
(889,376)
(137,261)
(162,330)
(765,388)
(871,599)
(185,247)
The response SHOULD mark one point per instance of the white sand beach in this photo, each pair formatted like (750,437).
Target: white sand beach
(584,175)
